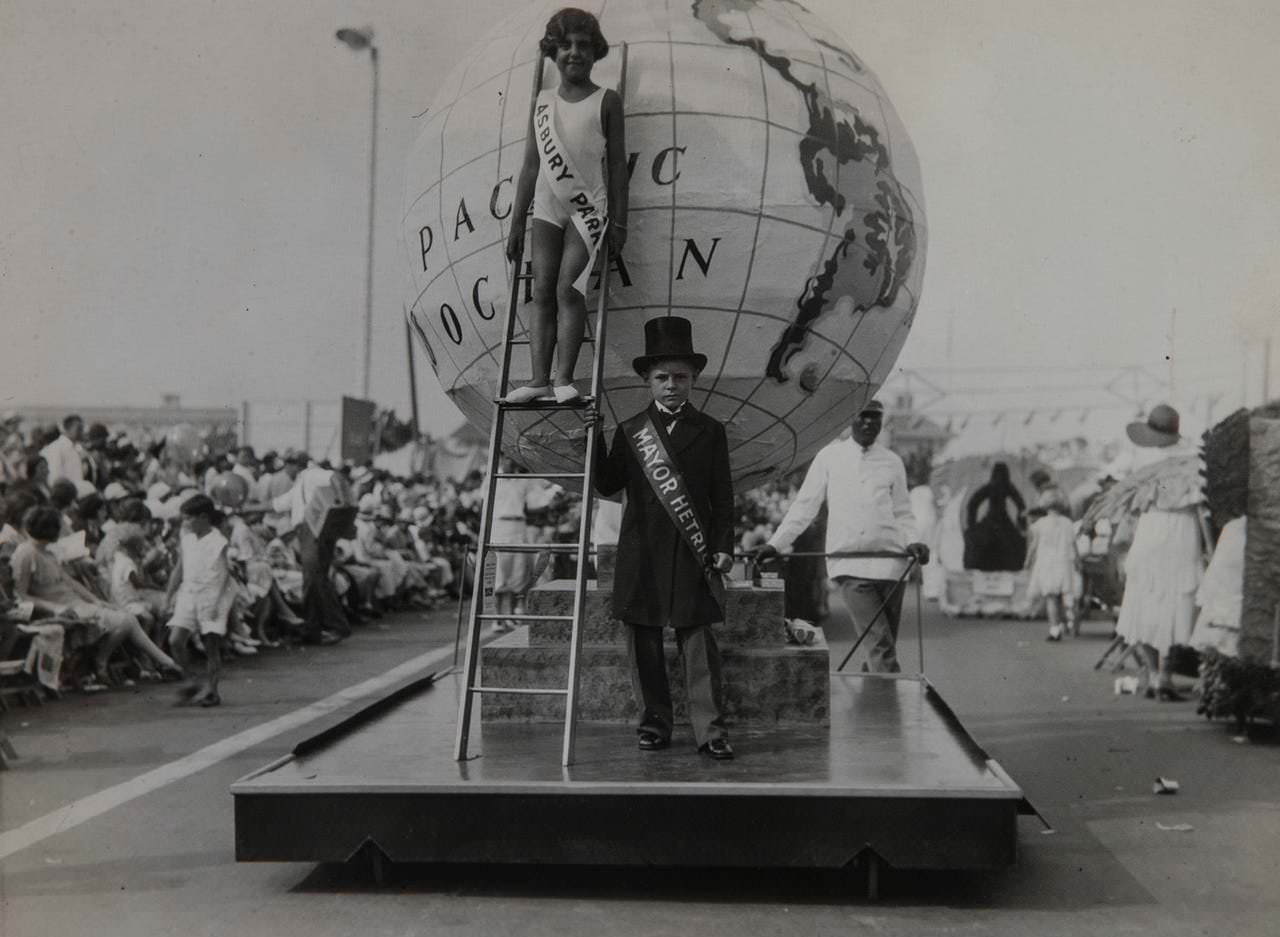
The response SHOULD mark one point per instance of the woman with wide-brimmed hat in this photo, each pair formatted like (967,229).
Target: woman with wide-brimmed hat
(1164,565)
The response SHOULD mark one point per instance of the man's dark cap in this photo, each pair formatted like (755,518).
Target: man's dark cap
(197,505)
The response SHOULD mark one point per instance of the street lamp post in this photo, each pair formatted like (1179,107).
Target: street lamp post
(358,40)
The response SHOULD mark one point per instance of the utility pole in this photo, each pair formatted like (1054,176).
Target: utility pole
(358,40)
(1266,370)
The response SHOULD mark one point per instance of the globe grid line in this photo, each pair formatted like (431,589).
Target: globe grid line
(757,313)
(852,79)
(827,82)
(675,181)
(781,418)
(830,223)
(689,43)
(444,124)
(744,401)
(755,235)
(835,213)
(761,216)
(681,112)
(644,208)
(461,257)
(440,202)
(904,323)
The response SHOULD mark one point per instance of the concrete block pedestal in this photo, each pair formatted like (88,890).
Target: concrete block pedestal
(767,682)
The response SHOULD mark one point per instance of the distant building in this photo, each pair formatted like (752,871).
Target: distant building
(154,419)
(218,425)
(912,435)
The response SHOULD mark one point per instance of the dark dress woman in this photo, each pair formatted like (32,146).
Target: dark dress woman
(995,543)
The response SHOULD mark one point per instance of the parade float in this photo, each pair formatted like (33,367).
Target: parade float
(775,202)
(1240,646)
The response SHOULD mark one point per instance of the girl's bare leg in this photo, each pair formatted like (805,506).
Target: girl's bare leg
(504,607)
(138,638)
(1055,626)
(546,241)
(571,322)
(1150,658)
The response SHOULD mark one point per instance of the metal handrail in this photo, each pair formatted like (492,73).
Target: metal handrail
(912,563)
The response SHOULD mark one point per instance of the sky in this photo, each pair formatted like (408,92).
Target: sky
(183,198)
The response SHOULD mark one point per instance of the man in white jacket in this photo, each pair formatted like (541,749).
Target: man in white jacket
(64,455)
(864,485)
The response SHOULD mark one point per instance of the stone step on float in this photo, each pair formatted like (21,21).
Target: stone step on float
(763,687)
(753,618)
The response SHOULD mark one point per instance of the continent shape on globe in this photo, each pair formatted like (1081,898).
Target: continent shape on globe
(775,201)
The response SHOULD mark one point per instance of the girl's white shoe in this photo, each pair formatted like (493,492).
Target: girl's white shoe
(528,393)
(565,393)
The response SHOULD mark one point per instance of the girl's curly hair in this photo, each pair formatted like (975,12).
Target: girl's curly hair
(572,20)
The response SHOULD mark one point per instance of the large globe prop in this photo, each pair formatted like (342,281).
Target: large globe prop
(775,201)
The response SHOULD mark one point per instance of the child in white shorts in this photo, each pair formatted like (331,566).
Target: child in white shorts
(204,594)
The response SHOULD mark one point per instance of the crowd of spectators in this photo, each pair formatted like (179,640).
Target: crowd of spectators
(94,531)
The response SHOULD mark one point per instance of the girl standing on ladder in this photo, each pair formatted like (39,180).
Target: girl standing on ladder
(575,130)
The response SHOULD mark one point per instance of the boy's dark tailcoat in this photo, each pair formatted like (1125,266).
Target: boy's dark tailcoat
(657,580)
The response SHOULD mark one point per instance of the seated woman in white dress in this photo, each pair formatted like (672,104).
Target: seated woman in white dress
(39,578)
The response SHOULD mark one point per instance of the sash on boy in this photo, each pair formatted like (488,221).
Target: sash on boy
(661,577)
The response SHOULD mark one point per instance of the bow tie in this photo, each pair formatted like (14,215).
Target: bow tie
(669,418)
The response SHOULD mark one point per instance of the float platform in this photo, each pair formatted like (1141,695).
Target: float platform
(893,778)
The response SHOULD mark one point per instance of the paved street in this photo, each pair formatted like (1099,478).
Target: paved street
(148,847)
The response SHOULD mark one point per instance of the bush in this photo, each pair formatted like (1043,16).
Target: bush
(1239,689)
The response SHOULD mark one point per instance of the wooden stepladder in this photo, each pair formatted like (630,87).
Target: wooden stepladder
(590,406)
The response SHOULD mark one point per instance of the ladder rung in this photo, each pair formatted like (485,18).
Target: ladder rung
(525,341)
(520,691)
(533,547)
(547,475)
(525,617)
(580,403)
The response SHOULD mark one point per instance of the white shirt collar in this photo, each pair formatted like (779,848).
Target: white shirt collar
(669,412)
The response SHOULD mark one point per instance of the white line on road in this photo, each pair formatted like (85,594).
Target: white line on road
(86,808)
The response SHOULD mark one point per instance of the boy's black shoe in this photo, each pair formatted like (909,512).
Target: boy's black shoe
(719,749)
(653,742)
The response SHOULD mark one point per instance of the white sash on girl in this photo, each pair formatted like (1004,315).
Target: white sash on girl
(566,183)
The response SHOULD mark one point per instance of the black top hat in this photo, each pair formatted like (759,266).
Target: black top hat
(668,337)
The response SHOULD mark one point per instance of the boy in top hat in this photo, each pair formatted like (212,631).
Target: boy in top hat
(676,537)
